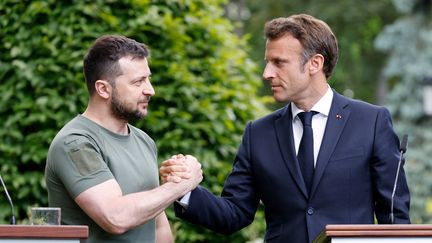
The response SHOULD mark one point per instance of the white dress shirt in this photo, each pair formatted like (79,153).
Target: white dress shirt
(319,122)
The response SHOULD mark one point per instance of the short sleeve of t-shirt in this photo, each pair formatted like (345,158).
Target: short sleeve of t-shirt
(79,164)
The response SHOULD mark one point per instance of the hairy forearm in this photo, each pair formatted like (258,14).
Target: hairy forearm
(147,205)
(118,213)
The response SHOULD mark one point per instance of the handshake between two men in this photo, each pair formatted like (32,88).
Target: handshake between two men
(181,168)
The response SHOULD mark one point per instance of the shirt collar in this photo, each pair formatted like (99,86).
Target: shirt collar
(322,106)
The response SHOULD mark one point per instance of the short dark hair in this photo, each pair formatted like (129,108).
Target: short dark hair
(101,60)
(315,36)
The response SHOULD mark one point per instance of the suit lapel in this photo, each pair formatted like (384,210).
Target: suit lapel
(284,134)
(338,116)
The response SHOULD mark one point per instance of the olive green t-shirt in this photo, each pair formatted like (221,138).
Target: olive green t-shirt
(84,154)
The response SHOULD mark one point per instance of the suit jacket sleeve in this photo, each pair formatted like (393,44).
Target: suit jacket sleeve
(237,205)
(384,166)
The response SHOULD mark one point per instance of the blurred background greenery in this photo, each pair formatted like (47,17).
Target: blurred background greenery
(206,60)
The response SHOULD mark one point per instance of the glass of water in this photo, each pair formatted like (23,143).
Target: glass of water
(45,216)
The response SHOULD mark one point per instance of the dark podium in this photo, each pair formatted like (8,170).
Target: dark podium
(43,233)
(376,233)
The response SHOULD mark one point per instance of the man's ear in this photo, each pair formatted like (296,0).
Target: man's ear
(316,63)
(103,88)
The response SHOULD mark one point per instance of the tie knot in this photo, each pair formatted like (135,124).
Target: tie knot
(306,117)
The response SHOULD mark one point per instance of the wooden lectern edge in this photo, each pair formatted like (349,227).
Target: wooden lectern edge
(374,230)
(379,233)
(390,227)
(44,231)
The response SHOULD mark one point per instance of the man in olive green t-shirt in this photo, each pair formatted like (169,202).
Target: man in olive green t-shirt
(101,171)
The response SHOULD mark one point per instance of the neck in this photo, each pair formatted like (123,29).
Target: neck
(314,94)
(102,116)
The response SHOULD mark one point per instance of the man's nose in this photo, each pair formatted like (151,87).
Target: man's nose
(148,89)
(268,73)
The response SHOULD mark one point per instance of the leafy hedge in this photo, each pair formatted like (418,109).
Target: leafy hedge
(205,88)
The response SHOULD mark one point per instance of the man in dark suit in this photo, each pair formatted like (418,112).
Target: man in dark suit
(338,168)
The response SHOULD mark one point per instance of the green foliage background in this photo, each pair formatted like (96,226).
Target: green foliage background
(408,43)
(205,88)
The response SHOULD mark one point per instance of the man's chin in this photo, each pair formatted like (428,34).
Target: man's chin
(280,99)
(131,118)
(142,114)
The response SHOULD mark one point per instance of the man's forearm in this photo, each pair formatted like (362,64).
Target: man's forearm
(117,213)
(163,229)
(151,203)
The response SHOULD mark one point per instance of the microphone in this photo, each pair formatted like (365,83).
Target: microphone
(402,149)
(9,200)
(404,143)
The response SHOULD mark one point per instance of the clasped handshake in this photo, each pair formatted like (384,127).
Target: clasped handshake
(181,169)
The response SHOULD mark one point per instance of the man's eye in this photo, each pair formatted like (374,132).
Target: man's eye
(278,63)
(139,82)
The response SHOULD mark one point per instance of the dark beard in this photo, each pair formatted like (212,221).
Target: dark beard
(120,111)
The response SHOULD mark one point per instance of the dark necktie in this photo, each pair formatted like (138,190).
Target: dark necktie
(305,153)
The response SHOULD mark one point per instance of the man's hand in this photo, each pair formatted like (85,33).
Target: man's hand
(180,168)
(174,169)
(196,174)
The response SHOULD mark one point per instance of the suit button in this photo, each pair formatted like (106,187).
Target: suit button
(310,211)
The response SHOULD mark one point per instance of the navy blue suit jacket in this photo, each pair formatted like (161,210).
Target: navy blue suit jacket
(353,179)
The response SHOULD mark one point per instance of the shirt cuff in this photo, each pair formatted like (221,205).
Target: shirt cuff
(184,201)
